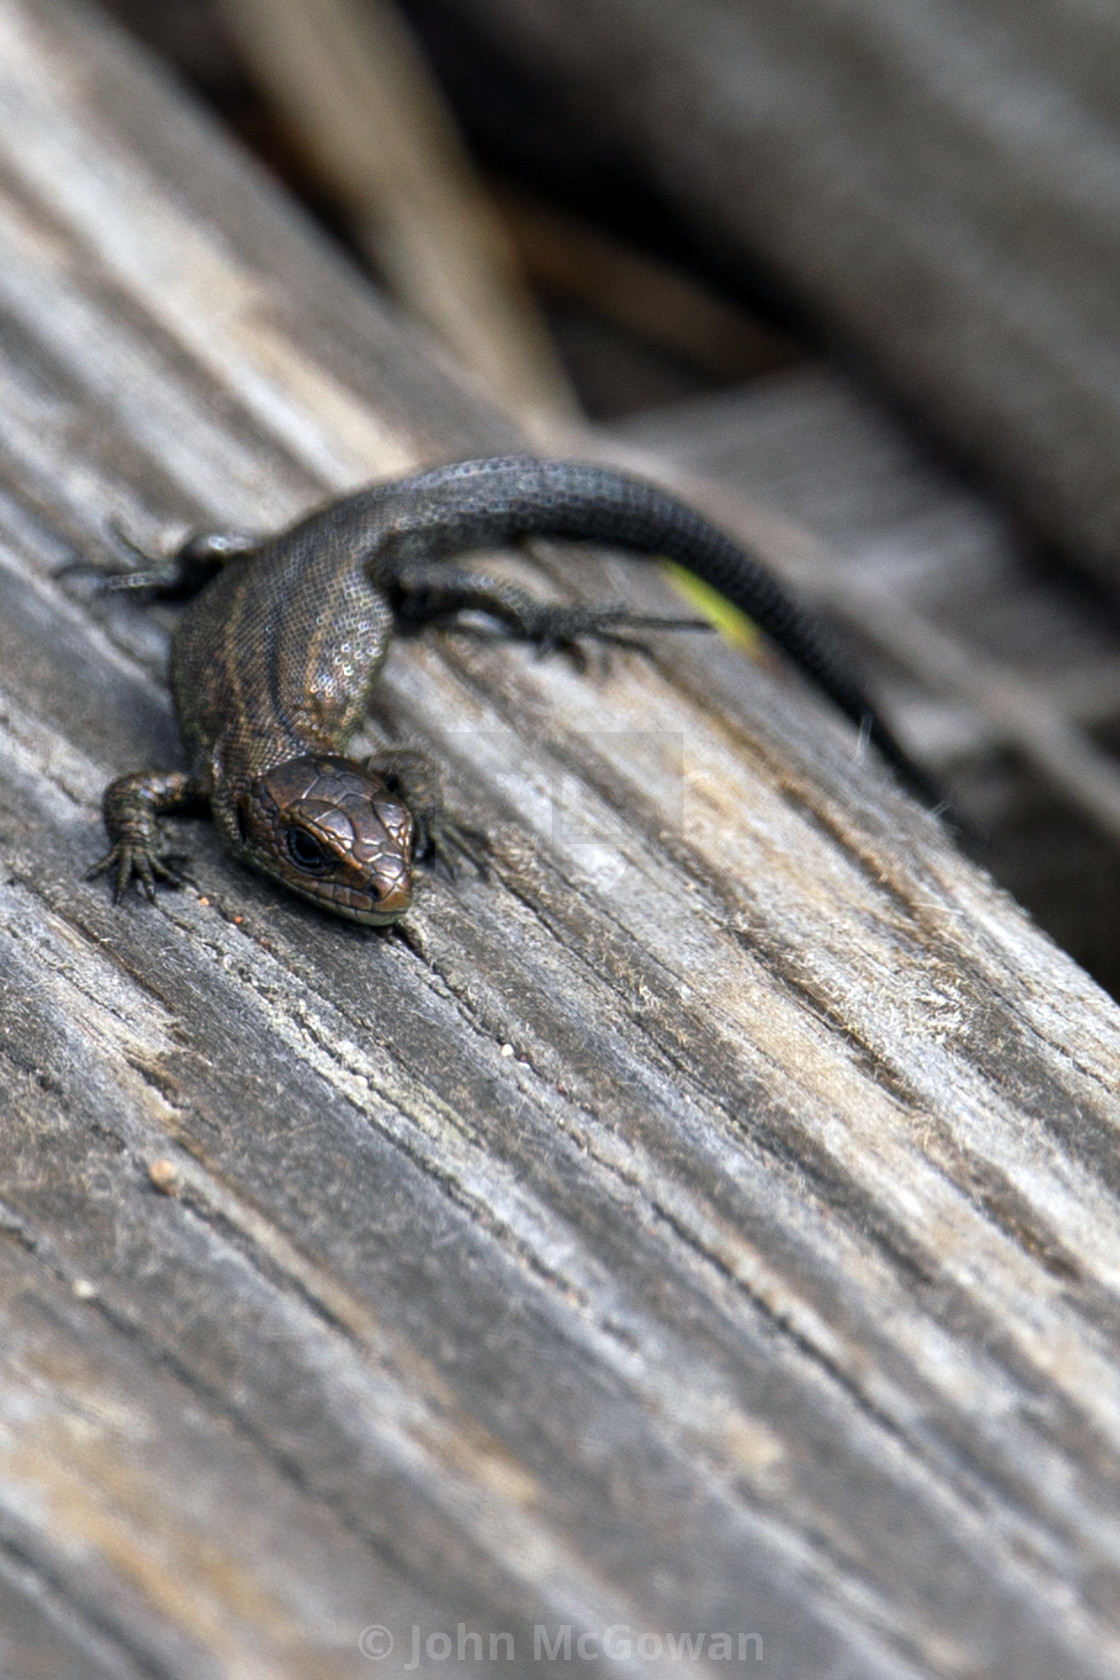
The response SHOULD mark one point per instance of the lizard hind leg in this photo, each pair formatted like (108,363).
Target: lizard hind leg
(435,593)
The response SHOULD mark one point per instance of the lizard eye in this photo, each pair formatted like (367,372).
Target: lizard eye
(306,852)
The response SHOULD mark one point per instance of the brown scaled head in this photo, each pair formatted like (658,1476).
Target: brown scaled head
(333,833)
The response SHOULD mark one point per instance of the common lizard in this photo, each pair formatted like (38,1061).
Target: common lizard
(275,656)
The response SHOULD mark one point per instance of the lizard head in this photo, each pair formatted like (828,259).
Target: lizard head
(332,832)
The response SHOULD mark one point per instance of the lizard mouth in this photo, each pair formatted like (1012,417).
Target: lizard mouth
(355,906)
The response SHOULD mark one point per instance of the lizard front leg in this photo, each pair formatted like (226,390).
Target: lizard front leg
(131,807)
(177,576)
(439,837)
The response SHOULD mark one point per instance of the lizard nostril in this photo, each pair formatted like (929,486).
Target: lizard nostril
(394,892)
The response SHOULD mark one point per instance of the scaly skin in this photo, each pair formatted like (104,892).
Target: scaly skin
(273,664)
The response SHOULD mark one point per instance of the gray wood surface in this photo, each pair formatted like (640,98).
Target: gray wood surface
(899,530)
(936,179)
(708,1228)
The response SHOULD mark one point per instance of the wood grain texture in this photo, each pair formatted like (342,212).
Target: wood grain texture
(950,610)
(708,1228)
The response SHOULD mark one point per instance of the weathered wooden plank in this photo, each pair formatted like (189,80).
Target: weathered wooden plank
(950,607)
(708,1226)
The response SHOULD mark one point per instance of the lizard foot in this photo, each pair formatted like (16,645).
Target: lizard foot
(439,839)
(446,844)
(564,629)
(127,861)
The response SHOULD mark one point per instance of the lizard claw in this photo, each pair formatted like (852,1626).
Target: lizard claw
(127,861)
(564,629)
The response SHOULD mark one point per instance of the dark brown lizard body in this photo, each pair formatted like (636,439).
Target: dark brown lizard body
(273,663)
